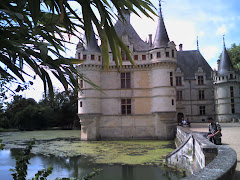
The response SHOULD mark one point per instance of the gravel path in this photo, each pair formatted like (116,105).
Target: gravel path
(231,137)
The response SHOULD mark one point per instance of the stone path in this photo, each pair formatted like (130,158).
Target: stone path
(231,137)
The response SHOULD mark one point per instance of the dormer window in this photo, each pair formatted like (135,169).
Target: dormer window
(135,57)
(79,55)
(200,80)
(178,81)
(84,57)
(158,54)
(143,57)
(92,57)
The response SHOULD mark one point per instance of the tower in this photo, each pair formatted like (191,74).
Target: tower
(226,89)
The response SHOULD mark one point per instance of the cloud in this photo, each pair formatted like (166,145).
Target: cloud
(221,30)
(210,52)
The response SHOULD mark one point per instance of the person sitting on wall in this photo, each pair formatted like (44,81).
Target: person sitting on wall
(184,122)
(214,134)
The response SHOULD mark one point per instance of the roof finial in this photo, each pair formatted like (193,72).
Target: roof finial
(223,40)
(160,8)
(197,44)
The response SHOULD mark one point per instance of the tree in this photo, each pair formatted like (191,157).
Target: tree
(33,33)
(234,54)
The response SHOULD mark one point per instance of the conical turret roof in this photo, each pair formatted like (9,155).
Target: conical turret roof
(92,44)
(225,63)
(161,38)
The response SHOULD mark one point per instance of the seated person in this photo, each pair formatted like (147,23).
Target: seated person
(214,134)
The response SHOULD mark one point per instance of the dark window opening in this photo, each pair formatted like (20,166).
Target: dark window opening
(158,54)
(136,57)
(126,106)
(81,104)
(202,110)
(173,53)
(178,81)
(200,80)
(125,80)
(84,57)
(167,54)
(92,57)
(143,57)
(179,95)
(201,94)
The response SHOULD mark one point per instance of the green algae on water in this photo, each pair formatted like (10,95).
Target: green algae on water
(67,143)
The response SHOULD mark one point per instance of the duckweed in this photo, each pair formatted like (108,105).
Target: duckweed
(67,143)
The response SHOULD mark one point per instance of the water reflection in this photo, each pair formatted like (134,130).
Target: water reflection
(80,166)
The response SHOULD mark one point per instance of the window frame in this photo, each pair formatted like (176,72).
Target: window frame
(125,79)
(126,106)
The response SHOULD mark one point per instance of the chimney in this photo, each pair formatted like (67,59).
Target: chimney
(218,63)
(180,47)
(150,39)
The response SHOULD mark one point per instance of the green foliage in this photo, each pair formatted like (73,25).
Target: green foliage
(35,32)
(22,161)
(1,145)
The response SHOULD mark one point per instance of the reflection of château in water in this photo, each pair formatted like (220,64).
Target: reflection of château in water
(143,101)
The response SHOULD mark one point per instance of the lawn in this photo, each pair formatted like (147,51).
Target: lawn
(67,143)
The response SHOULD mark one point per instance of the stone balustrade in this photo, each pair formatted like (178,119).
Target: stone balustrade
(200,158)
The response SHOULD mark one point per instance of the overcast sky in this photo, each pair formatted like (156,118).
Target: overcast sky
(184,21)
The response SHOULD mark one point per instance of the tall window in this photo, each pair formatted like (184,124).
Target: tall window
(92,57)
(171,79)
(126,106)
(178,81)
(232,100)
(201,94)
(84,57)
(158,54)
(179,95)
(79,55)
(172,53)
(202,110)
(126,80)
(143,57)
(200,80)
(99,58)
(151,56)
(81,83)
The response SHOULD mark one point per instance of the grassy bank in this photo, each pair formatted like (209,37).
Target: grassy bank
(67,143)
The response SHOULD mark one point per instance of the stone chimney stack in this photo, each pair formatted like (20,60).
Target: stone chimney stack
(180,47)
(150,39)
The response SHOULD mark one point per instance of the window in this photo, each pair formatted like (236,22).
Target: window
(125,80)
(124,57)
(232,100)
(143,57)
(202,110)
(171,79)
(158,54)
(126,106)
(167,54)
(172,101)
(81,104)
(81,83)
(201,94)
(151,56)
(179,95)
(231,76)
(172,53)
(99,58)
(200,80)
(136,57)
(92,57)
(178,81)
(84,57)
(79,55)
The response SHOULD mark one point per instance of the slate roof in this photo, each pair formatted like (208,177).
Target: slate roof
(161,38)
(92,45)
(225,63)
(189,61)
(123,28)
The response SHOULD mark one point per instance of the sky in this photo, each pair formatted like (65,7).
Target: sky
(185,20)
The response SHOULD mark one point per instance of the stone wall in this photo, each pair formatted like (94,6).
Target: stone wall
(200,158)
